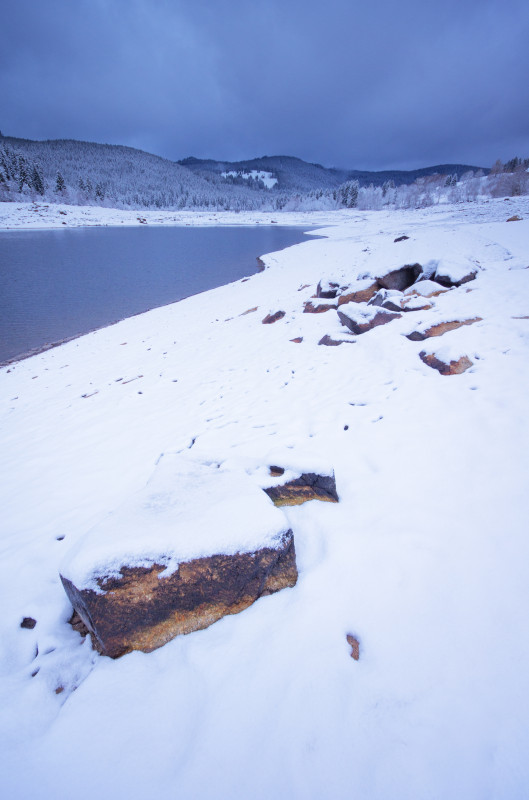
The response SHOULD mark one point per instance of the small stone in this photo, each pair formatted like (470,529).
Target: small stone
(29,623)
(355,646)
(297,340)
(309,486)
(330,342)
(440,329)
(320,308)
(515,218)
(401,238)
(276,471)
(456,367)
(270,318)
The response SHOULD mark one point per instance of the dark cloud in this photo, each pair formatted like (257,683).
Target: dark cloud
(343,82)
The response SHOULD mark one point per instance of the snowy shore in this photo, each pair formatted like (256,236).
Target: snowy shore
(424,559)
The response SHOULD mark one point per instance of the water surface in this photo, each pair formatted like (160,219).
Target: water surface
(56,284)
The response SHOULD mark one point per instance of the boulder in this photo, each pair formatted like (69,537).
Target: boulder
(199,542)
(309,486)
(273,317)
(388,299)
(362,294)
(454,275)
(427,288)
(401,278)
(453,367)
(440,329)
(361,320)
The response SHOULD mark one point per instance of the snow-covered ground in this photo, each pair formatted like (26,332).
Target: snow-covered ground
(425,559)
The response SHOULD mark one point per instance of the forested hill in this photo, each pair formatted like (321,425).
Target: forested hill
(293,174)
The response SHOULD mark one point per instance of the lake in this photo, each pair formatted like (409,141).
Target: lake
(55,284)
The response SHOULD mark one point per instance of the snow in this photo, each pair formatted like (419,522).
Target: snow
(187,510)
(257,175)
(424,559)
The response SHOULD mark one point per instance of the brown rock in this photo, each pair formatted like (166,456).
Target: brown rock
(142,610)
(198,542)
(249,311)
(440,329)
(360,295)
(328,290)
(446,280)
(28,623)
(355,646)
(273,317)
(308,486)
(402,278)
(515,218)
(330,342)
(391,301)
(451,368)
(358,326)
(297,340)
(320,308)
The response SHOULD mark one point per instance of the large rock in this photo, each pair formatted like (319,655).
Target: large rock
(360,320)
(196,544)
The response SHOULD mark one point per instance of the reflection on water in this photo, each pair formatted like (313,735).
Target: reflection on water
(58,284)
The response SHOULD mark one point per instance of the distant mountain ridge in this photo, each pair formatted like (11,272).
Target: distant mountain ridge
(294,174)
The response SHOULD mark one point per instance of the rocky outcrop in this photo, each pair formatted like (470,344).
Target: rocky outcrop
(270,318)
(455,367)
(142,610)
(362,320)
(440,329)
(197,543)
(309,486)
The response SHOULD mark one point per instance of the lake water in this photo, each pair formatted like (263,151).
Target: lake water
(57,284)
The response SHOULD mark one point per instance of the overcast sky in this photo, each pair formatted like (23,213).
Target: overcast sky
(356,83)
